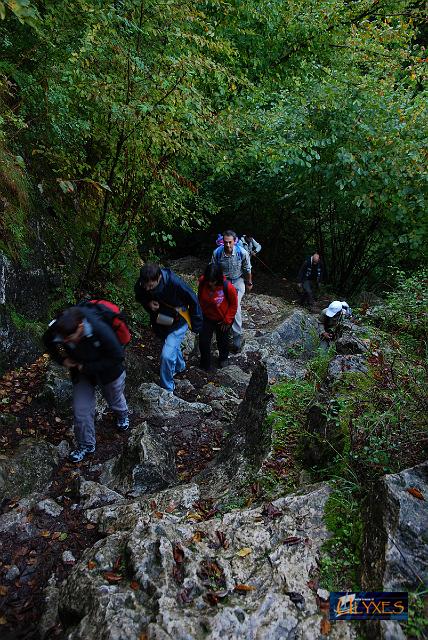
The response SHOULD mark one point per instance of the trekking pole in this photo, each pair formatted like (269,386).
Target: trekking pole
(265,265)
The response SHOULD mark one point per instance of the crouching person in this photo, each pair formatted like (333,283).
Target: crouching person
(84,343)
(331,319)
(219,302)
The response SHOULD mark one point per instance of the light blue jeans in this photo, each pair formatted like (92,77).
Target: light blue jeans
(172,360)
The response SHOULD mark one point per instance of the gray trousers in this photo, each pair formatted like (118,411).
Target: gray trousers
(239,285)
(310,290)
(84,406)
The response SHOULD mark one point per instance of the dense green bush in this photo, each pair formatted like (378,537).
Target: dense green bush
(406,308)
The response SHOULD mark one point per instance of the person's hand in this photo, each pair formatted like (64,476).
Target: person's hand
(70,363)
(248,286)
(326,335)
(153,305)
(224,326)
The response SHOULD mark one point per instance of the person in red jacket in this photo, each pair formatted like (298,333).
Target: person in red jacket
(219,302)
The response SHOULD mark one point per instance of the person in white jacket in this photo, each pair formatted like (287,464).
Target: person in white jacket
(250,244)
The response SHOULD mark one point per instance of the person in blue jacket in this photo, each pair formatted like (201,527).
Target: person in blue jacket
(173,308)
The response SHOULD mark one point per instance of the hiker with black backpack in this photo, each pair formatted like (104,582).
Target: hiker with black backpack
(236,265)
(309,278)
(219,302)
(81,340)
(173,308)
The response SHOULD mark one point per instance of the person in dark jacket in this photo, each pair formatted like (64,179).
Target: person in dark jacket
(82,341)
(173,307)
(309,277)
(219,302)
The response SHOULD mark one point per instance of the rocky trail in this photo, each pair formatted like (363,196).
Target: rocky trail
(166,533)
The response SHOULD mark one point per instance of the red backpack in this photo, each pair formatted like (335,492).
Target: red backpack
(111,314)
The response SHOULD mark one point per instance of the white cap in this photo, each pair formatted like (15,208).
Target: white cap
(336,306)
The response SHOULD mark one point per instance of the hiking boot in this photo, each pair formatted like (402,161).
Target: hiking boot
(82,450)
(206,367)
(122,424)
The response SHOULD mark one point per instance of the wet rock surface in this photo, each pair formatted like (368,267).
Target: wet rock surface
(28,470)
(397,547)
(243,576)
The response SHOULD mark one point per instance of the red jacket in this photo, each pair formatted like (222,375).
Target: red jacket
(215,304)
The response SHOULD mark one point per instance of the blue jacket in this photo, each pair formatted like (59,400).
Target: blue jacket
(173,291)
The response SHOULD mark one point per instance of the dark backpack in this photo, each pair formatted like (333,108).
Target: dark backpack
(112,315)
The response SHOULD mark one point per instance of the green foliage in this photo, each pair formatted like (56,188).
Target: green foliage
(14,206)
(137,119)
(333,153)
(24,10)
(25,324)
(416,627)
(340,557)
(406,308)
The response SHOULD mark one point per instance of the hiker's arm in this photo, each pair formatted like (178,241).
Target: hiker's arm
(257,246)
(246,268)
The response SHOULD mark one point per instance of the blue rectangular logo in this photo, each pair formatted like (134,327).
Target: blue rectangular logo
(369,605)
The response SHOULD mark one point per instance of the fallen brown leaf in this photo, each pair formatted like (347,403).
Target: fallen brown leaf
(211,598)
(270,511)
(178,554)
(197,536)
(325,627)
(91,564)
(416,493)
(3,590)
(292,540)
(134,585)
(244,587)
(112,577)
(244,552)
(222,539)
